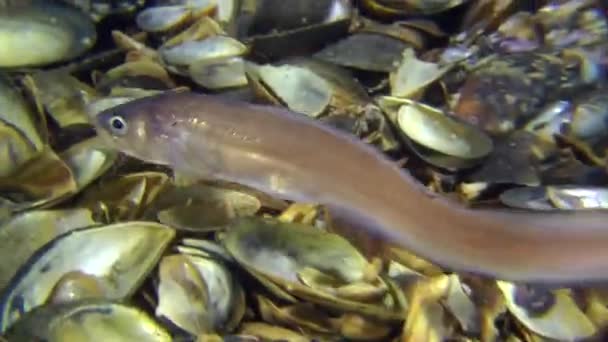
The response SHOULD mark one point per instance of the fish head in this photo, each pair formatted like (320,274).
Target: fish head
(137,128)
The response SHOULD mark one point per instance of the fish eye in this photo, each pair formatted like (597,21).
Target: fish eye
(118,124)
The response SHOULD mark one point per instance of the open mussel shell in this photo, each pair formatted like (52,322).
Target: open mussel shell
(87,320)
(33,229)
(431,128)
(22,136)
(255,240)
(39,32)
(279,254)
(120,255)
(308,86)
(578,197)
(183,296)
(199,294)
(51,178)
(550,314)
(439,139)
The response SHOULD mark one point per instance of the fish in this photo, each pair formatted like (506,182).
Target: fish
(294,157)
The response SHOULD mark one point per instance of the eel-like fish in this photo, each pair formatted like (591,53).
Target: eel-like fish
(294,157)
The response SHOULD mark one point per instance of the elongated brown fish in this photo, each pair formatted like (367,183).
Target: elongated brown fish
(293,157)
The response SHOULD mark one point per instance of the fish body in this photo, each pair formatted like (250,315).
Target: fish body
(294,157)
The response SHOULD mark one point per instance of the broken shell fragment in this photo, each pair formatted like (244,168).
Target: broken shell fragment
(413,75)
(275,25)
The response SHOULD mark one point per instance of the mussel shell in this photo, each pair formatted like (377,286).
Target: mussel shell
(280,15)
(574,197)
(277,24)
(306,85)
(15,150)
(205,281)
(223,72)
(172,206)
(123,252)
(183,295)
(43,32)
(433,129)
(189,52)
(529,197)
(87,320)
(554,315)
(551,120)
(264,243)
(62,95)
(355,50)
(32,230)
(274,252)
(19,115)
(162,18)
(410,7)
(589,125)
(300,88)
(514,160)
(87,161)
